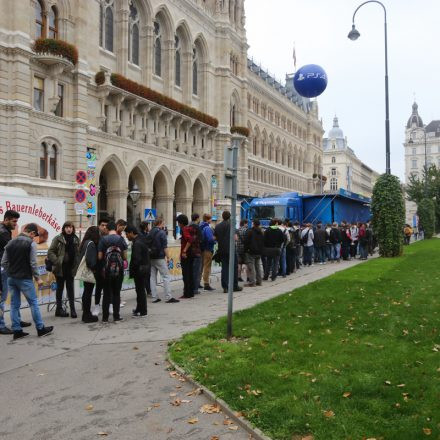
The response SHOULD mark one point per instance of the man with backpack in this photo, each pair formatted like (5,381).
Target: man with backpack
(335,240)
(319,242)
(254,247)
(307,242)
(112,249)
(159,256)
(139,266)
(207,248)
(273,240)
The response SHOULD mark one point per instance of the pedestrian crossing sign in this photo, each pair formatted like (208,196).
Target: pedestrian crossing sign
(150,215)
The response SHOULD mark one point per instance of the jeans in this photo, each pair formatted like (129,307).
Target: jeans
(70,292)
(363,251)
(328,251)
(196,265)
(283,265)
(225,272)
(320,252)
(308,255)
(27,288)
(188,278)
(141,294)
(272,267)
(87,298)
(112,295)
(336,251)
(290,260)
(254,269)
(99,286)
(160,265)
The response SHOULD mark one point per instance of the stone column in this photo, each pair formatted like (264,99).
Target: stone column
(146,45)
(121,23)
(117,203)
(164,208)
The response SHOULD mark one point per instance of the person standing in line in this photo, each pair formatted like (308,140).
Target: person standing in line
(221,234)
(159,258)
(307,238)
(112,250)
(328,245)
(354,234)
(319,241)
(139,262)
(273,240)
(207,250)
(195,251)
(283,256)
(186,259)
(9,223)
(99,286)
(290,250)
(363,242)
(20,263)
(241,251)
(144,230)
(64,255)
(370,238)
(298,247)
(254,247)
(345,241)
(120,226)
(335,240)
(89,250)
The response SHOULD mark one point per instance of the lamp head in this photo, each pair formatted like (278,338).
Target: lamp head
(135,194)
(354,33)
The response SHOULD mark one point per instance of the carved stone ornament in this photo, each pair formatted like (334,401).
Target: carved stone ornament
(125,157)
(151,162)
(192,170)
(173,168)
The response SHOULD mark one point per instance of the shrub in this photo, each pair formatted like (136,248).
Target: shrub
(244,131)
(145,92)
(388,208)
(56,47)
(426,213)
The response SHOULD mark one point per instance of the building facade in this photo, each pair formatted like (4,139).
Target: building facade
(161,124)
(422,148)
(342,168)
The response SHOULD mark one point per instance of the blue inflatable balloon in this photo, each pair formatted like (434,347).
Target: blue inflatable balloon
(310,81)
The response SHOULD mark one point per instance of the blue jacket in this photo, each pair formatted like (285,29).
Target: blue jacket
(207,237)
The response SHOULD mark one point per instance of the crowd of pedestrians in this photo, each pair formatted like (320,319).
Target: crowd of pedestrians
(100,261)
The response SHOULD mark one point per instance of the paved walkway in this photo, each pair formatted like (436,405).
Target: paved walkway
(112,381)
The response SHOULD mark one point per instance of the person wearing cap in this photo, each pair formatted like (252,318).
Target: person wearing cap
(20,262)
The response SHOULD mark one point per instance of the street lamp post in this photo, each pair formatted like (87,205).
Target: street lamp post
(135,195)
(354,35)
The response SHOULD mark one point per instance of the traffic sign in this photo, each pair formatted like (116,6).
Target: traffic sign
(149,215)
(81,177)
(80,195)
(80,208)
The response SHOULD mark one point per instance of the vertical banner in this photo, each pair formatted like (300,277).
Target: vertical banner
(91,182)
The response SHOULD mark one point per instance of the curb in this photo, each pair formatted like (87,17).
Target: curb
(240,421)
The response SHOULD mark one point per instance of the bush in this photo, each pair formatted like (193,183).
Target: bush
(56,47)
(426,213)
(388,208)
(147,93)
(244,131)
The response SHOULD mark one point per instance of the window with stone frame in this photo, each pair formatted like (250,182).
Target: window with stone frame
(333,184)
(333,159)
(59,111)
(177,61)
(195,72)
(38,93)
(106,24)
(157,49)
(133,34)
(53,23)
(40,19)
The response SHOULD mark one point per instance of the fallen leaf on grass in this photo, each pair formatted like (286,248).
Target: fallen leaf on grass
(239,414)
(89,407)
(210,409)
(427,431)
(193,421)
(329,413)
(309,437)
(387,382)
(401,385)
(174,374)
(347,394)
(285,342)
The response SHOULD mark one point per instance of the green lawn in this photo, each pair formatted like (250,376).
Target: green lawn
(353,356)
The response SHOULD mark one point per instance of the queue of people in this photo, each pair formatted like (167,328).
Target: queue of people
(100,261)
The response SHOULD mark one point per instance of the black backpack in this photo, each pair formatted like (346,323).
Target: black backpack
(113,263)
(305,239)
(151,242)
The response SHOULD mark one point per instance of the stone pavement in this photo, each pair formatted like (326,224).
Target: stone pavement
(112,381)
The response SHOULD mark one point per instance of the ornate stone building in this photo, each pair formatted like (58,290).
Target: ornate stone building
(422,146)
(342,168)
(192,57)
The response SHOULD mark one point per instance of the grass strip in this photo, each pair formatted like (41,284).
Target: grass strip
(353,356)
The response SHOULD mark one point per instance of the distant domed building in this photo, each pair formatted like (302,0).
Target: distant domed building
(342,168)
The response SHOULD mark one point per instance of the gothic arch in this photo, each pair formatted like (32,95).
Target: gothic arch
(164,17)
(235,108)
(200,195)
(145,183)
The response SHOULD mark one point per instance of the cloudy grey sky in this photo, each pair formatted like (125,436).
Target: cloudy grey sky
(355,91)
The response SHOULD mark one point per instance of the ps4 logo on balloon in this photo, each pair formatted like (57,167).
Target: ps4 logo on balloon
(310,81)
(302,77)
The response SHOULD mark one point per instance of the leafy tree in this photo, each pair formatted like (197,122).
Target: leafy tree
(388,208)
(426,213)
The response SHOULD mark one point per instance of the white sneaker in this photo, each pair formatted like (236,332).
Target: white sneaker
(96,310)
(123,304)
(110,309)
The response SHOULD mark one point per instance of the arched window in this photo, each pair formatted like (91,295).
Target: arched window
(53,23)
(333,184)
(157,49)
(53,162)
(40,20)
(195,68)
(133,35)
(43,160)
(177,60)
(233,117)
(333,159)
(106,24)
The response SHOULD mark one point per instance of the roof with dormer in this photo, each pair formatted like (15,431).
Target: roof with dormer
(414,120)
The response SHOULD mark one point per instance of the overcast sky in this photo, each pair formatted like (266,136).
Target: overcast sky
(355,69)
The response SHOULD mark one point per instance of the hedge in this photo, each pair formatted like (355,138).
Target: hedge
(56,47)
(244,131)
(147,93)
